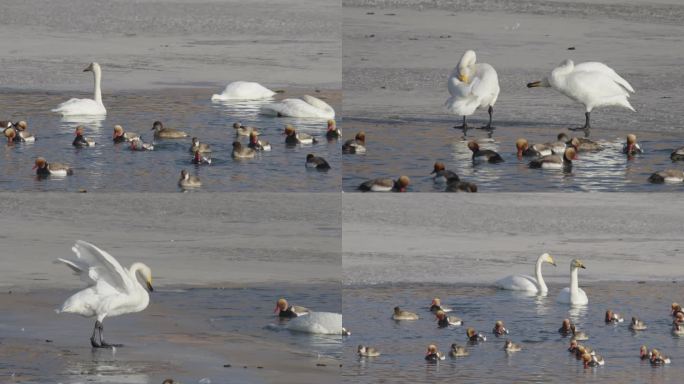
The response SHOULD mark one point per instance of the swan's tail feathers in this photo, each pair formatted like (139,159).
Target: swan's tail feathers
(462,106)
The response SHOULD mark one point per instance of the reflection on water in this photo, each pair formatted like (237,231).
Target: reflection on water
(105,369)
(532,321)
(410,147)
(109,167)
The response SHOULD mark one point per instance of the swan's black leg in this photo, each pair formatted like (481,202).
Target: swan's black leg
(489,127)
(93,342)
(104,344)
(463,127)
(587,124)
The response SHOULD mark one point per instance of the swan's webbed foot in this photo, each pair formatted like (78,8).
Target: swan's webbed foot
(463,127)
(94,343)
(107,345)
(487,127)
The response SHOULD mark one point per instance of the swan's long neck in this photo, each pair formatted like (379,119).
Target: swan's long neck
(538,275)
(97,94)
(574,286)
(140,288)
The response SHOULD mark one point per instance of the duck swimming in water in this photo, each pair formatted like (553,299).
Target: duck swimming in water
(458,351)
(365,351)
(433,355)
(444,321)
(613,318)
(284,310)
(637,325)
(357,145)
(474,336)
(509,346)
(436,305)
(486,155)
(442,174)
(399,314)
(499,329)
(631,146)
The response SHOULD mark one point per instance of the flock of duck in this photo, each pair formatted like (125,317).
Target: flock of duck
(200,153)
(572,295)
(473,86)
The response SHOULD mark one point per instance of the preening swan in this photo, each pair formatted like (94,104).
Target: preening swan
(243,90)
(593,84)
(528,283)
(83,107)
(307,106)
(112,290)
(573,295)
(471,86)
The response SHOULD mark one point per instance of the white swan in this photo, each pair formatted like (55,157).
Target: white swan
(112,290)
(528,283)
(84,107)
(472,86)
(307,106)
(573,295)
(593,84)
(243,90)
(325,323)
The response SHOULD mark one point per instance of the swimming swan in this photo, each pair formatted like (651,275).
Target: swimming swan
(593,84)
(528,283)
(471,86)
(112,290)
(243,90)
(573,295)
(84,107)
(307,106)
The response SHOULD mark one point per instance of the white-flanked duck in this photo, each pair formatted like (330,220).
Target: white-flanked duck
(284,310)
(613,318)
(244,130)
(80,140)
(631,146)
(458,351)
(637,325)
(574,295)
(21,134)
(10,133)
(400,314)
(433,355)
(258,145)
(555,161)
(657,358)
(366,351)
(167,133)
(436,305)
(510,346)
(43,168)
(644,353)
(316,162)
(499,329)
(121,136)
(535,150)
(527,283)
(592,84)
(357,145)
(200,159)
(333,132)
(188,181)
(294,138)
(484,155)
(443,320)
(474,336)
(240,152)
(677,327)
(136,144)
(667,176)
(677,154)
(385,185)
(197,146)
(442,174)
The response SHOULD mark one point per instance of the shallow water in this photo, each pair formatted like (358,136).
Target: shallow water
(109,167)
(184,333)
(411,147)
(532,322)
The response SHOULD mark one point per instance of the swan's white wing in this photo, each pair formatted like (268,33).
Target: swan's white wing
(596,89)
(485,84)
(101,266)
(297,108)
(244,90)
(316,102)
(594,66)
(80,269)
(518,283)
(564,297)
(457,87)
(75,107)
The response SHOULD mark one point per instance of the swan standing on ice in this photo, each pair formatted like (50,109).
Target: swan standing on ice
(528,283)
(472,85)
(593,84)
(573,295)
(112,290)
(243,90)
(83,107)
(307,106)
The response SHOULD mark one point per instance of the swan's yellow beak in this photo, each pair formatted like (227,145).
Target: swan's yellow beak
(551,261)
(149,285)
(463,78)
